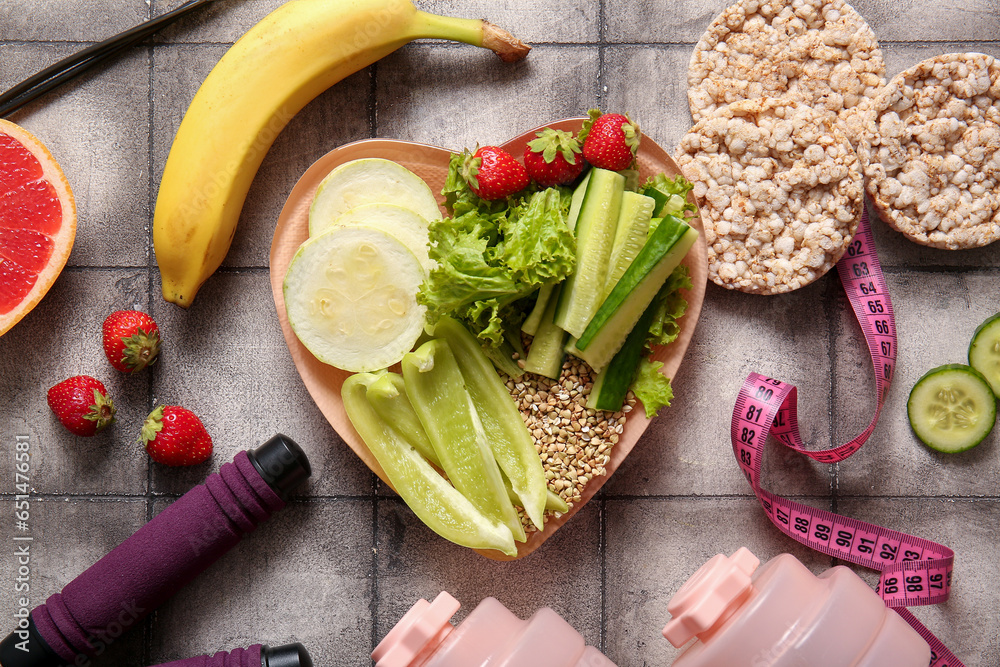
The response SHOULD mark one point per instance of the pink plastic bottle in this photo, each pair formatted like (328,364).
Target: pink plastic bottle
(782,615)
(490,635)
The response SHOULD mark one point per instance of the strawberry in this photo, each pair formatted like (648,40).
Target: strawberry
(174,436)
(610,141)
(131,340)
(553,158)
(493,173)
(82,405)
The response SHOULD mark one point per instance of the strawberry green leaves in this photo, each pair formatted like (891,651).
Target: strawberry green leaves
(554,157)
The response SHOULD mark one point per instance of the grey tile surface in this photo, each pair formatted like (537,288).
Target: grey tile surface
(98,130)
(564,573)
(458,96)
(340,565)
(250,389)
(654,545)
(67,536)
(304,576)
(69,20)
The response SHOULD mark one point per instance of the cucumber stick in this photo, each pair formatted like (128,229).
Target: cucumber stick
(611,384)
(435,502)
(546,354)
(511,442)
(606,333)
(545,292)
(595,236)
(984,351)
(436,389)
(534,318)
(630,235)
(952,408)
(576,201)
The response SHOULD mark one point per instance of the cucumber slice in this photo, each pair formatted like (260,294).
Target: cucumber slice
(607,331)
(351,298)
(546,354)
(952,408)
(546,292)
(630,236)
(611,384)
(402,223)
(534,318)
(595,235)
(576,201)
(369,181)
(984,352)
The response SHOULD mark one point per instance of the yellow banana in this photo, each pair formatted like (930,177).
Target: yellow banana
(291,56)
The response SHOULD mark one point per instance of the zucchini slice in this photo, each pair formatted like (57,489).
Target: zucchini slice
(351,298)
(952,408)
(369,181)
(984,351)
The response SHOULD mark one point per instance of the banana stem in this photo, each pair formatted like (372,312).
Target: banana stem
(471,31)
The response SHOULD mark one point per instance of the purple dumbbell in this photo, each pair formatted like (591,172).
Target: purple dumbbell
(145,570)
(292,655)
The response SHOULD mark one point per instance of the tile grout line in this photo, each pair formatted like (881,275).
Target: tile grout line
(147,640)
(437,42)
(152,496)
(601,78)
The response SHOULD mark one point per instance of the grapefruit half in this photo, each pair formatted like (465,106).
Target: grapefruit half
(37,222)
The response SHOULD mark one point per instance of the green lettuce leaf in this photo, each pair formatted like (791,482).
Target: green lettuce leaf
(670,195)
(652,387)
(670,306)
(538,247)
(492,254)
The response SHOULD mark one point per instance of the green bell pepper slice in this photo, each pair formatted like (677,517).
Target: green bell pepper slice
(388,397)
(509,438)
(437,392)
(435,502)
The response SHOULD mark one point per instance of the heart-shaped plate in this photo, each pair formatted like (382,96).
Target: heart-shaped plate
(431,163)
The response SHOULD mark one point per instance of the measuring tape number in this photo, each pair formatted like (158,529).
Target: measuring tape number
(914,571)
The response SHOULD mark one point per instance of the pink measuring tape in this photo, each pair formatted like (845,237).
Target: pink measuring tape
(914,571)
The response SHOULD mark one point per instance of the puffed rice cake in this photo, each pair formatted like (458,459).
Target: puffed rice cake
(782,192)
(933,165)
(819,52)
